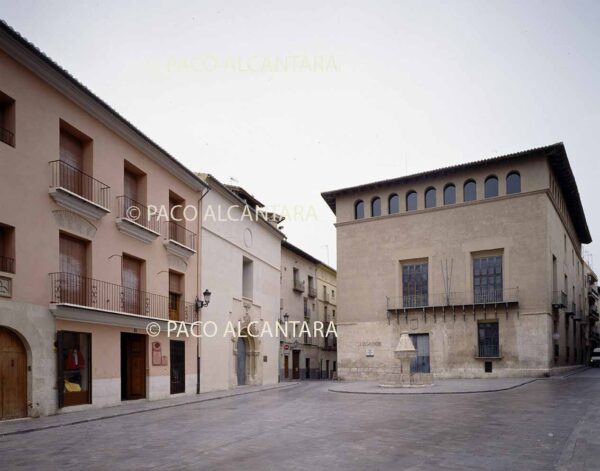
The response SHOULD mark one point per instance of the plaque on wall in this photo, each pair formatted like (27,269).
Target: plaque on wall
(156,354)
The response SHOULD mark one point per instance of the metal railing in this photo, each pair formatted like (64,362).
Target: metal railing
(312,291)
(8,137)
(138,213)
(67,288)
(7,264)
(74,180)
(181,235)
(487,351)
(559,299)
(479,297)
(299,285)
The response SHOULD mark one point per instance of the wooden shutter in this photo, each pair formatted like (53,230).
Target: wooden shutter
(131,280)
(71,150)
(174,282)
(131,185)
(72,255)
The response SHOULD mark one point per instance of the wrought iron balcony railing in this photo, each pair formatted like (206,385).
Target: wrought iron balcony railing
(312,291)
(181,235)
(478,297)
(7,264)
(76,290)
(134,211)
(488,351)
(7,137)
(299,286)
(69,178)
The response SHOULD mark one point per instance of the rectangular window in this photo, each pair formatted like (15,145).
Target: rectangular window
(7,249)
(487,279)
(7,120)
(247,278)
(415,285)
(489,342)
(74,368)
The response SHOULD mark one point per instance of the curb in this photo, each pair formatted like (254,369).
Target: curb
(159,407)
(434,392)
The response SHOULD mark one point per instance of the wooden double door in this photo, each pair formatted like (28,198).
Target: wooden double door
(133,366)
(13,376)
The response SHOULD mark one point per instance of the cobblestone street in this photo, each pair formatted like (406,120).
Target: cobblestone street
(546,424)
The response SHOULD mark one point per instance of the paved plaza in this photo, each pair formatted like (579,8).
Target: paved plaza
(541,425)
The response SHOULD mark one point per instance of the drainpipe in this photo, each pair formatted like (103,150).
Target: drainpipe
(199,285)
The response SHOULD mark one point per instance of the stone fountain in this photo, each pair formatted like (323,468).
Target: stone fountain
(401,377)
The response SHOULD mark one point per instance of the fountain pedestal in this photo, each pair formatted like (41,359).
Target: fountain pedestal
(401,376)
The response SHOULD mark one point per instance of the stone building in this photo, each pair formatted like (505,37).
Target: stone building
(306,287)
(481,262)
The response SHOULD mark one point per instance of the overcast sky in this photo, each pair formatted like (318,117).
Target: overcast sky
(294,98)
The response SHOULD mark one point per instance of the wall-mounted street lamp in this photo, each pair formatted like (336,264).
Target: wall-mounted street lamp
(203,303)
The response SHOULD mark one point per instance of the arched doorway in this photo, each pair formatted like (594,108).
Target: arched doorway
(13,376)
(241,361)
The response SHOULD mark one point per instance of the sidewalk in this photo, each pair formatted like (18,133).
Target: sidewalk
(13,427)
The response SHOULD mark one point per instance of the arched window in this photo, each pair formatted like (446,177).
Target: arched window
(513,183)
(376,206)
(393,204)
(470,191)
(359,209)
(430,198)
(411,201)
(491,187)
(450,194)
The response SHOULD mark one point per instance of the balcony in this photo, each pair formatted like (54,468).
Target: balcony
(134,219)
(7,264)
(572,310)
(329,344)
(7,137)
(452,300)
(312,291)
(299,286)
(179,240)
(559,299)
(593,293)
(488,351)
(73,290)
(74,190)
(593,314)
